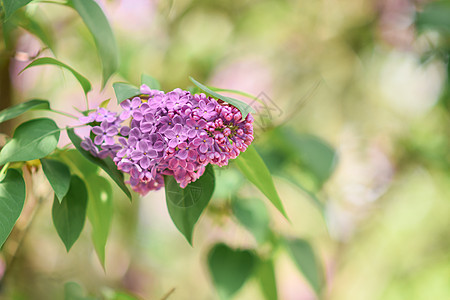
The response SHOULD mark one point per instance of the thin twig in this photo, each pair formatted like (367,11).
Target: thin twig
(166,296)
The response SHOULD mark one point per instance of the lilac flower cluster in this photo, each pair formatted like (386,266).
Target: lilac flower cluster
(174,133)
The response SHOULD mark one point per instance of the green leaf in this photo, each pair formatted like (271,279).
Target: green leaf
(73,291)
(125,91)
(10,6)
(85,84)
(106,164)
(78,163)
(314,154)
(98,25)
(267,281)
(100,210)
(70,214)
(254,168)
(150,82)
(186,205)
(58,174)
(33,26)
(230,269)
(12,199)
(253,215)
(31,140)
(243,107)
(306,261)
(16,110)
(435,15)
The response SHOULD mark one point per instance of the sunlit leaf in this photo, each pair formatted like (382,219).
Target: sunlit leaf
(253,215)
(307,262)
(186,205)
(33,25)
(125,91)
(99,211)
(230,269)
(98,25)
(58,174)
(254,168)
(12,199)
(10,6)
(243,107)
(70,214)
(265,274)
(31,140)
(150,82)
(106,164)
(79,164)
(16,110)
(85,84)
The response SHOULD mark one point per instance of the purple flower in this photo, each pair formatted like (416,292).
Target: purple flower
(187,151)
(143,154)
(104,132)
(109,150)
(128,107)
(206,110)
(176,135)
(196,127)
(88,145)
(203,143)
(103,114)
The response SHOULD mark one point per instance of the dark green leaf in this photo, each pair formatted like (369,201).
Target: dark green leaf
(58,174)
(98,25)
(106,164)
(254,168)
(186,205)
(230,269)
(12,199)
(150,82)
(435,15)
(70,214)
(267,281)
(10,6)
(85,84)
(253,215)
(100,210)
(125,91)
(307,262)
(31,140)
(243,107)
(16,110)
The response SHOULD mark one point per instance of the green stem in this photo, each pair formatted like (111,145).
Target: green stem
(64,114)
(3,171)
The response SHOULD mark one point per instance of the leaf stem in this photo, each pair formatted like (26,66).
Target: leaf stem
(3,171)
(63,113)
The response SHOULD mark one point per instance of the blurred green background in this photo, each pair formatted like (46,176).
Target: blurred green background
(368,78)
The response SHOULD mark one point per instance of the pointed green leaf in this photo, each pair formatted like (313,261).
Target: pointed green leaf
(98,25)
(125,91)
(150,82)
(267,281)
(435,15)
(78,163)
(307,262)
(230,269)
(100,210)
(85,84)
(58,174)
(31,140)
(186,205)
(10,6)
(243,107)
(12,199)
(253,215)
(70,214)
(16,110)
(106,164)
(254,168)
